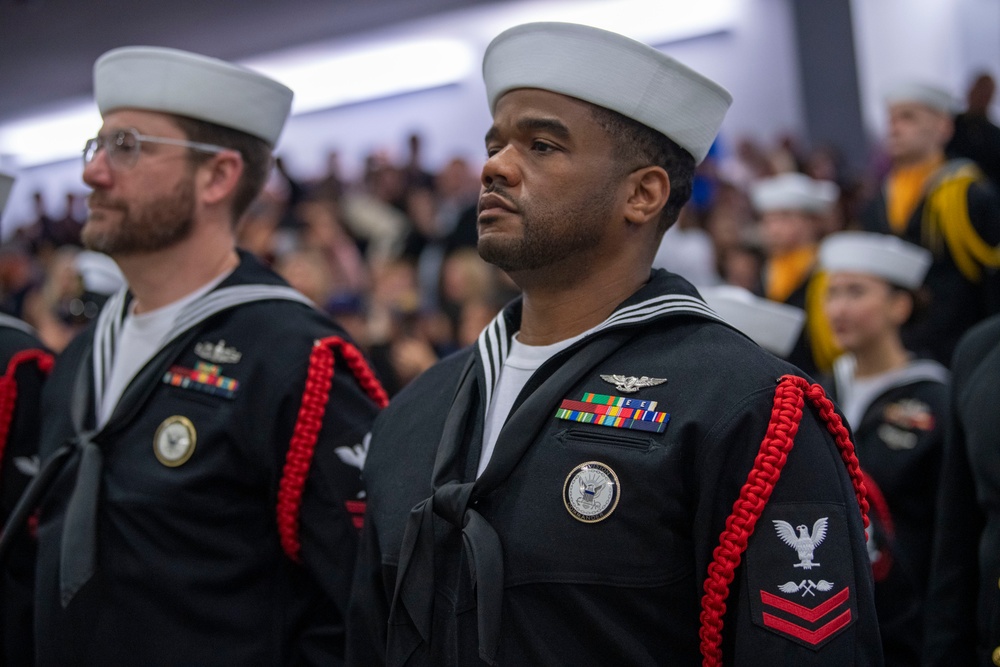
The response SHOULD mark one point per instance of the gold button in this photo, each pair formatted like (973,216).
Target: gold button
(996,656)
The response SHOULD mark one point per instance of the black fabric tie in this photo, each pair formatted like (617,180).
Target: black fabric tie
(78,549)
(412,611)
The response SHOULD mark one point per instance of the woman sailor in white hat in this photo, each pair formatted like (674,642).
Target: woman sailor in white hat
(897,407)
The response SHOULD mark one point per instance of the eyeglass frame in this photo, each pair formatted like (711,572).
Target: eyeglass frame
(94,144)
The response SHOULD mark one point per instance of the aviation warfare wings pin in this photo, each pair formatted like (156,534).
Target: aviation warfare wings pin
(629,384)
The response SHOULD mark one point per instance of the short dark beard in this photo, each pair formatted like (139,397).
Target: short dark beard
(157,225)
(538,246)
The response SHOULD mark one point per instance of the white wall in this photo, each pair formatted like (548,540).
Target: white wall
(939,42)
(746,45)
(757,61)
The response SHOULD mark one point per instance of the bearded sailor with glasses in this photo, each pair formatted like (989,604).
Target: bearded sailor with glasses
(199,496)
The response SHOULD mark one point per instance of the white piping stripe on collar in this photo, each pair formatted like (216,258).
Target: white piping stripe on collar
(494,345)
(919,370)
(105,334)
(658,306)
(227,297)
(109,322)
(14,323)
(494,341)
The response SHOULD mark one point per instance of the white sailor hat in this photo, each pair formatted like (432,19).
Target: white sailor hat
(611,71)
(772,325)
(794,192)
(99,273)
(187,84)
(882,255)
(6,183)
(921,93)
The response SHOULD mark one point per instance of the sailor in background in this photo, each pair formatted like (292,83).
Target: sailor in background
(24,364)
(962,624)
(200,483)
(946,206)
(897,406)
(774,326)
(591,484)
(792,209)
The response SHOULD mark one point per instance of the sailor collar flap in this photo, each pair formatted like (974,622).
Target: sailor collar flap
(665,295)
(453,500)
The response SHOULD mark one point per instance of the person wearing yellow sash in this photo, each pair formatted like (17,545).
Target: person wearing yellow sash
(946,206)
(792,207)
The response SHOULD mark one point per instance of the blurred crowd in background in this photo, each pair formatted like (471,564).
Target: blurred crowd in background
(392,255)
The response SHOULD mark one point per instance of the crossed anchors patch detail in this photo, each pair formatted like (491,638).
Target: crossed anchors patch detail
(801,574)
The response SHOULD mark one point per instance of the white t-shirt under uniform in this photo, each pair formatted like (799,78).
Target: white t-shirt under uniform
(520,365)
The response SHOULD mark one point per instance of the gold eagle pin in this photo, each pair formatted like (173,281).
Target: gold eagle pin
(174,441)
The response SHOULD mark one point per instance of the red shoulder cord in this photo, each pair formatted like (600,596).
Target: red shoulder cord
(8,388)
(786,415)
(881,567)
(307,427)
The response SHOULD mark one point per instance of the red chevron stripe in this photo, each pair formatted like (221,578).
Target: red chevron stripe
(805,613)
(809,636)
(356,508)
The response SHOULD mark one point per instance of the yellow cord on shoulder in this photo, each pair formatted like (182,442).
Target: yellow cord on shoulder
(946,223)
(821,339)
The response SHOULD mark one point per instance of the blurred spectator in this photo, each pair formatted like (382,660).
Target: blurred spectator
(975,136)
(308,271)
(323,231)
(75,288)
(19,269)
(256,230)
(742,265)
(687,250)
(465,277)
(792,207)
(413,172)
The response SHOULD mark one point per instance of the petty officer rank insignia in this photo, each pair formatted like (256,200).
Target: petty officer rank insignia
(206,378)
(174,441)
(800,572)
(614,411)
(591,492)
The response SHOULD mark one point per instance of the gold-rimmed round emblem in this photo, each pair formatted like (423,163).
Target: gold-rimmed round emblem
(174,441)
(591,492)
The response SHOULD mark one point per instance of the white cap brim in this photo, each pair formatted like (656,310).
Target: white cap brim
(99,273)
(187,84)
(930,96)
(772,325)
(611,71)
(882,255)
(794,192)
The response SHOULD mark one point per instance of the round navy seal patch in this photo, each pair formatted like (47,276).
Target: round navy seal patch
(591,492)
(174,441)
